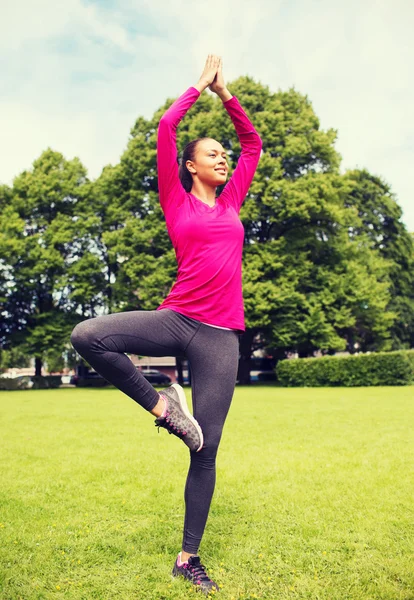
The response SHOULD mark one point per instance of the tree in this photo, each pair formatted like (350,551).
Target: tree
(37,222)
(380,221)
(297,289)
(310,280)
(295,273)
(313,278)
(14,357)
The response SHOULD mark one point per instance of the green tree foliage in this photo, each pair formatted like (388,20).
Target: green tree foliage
(322,269)
(90,274)
(37,224)
(380,223)
(307,283)
(13,358)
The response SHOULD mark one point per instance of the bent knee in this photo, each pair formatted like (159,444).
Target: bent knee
(206,457)
(83,335)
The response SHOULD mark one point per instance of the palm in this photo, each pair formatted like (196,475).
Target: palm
(218,82)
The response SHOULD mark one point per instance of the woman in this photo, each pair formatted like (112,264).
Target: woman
(202,316)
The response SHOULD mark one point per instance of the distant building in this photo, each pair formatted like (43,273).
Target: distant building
(164,364)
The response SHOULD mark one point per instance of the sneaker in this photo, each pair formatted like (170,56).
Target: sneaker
(195,572)
(178,420)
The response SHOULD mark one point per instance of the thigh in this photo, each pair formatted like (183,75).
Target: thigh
(214,357)
(143,332)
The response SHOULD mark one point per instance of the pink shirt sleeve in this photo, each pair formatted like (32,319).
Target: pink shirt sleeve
(170,188)
(238,185)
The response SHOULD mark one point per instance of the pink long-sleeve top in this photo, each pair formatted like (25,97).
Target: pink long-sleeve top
(208,240)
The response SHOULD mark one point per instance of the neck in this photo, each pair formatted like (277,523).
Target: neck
(204,192)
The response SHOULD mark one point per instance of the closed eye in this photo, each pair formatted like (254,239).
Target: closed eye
(223,155)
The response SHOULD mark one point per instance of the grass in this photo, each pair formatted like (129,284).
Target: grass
(314,497)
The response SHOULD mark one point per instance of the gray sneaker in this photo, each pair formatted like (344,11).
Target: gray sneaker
(178,419)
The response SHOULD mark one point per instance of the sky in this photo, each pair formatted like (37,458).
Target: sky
(75,75)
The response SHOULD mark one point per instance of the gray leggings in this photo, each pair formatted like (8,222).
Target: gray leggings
(213,355)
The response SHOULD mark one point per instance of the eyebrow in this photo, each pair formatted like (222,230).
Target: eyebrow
(214,150)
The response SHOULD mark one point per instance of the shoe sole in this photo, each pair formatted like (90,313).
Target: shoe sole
(184,407)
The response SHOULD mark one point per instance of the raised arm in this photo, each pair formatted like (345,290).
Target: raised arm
(169,184)
(251,144)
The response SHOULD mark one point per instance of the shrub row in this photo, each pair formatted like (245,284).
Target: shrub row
(15,383)
(93,382)
(46,382)
(377,368)
(24,382)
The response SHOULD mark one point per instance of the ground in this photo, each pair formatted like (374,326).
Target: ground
(314,497)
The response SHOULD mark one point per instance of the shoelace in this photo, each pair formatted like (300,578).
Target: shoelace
(198,570)
(170,427)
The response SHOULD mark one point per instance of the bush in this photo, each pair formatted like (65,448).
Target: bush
(91,382)
(379,368)
(15,383)
(44,382)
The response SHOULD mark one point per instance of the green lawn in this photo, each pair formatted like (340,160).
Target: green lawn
(314,497)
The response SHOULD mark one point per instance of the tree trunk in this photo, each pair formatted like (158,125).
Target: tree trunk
(246,342)
(350,343)
(179,367)
(81,369)
(189,372)
(38,366)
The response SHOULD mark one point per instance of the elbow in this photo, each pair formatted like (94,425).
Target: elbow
(164,128)
(165,121)
(254,147)
(257,145)
(163,124)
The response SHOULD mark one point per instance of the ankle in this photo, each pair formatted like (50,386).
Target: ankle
(184,556)
(159,408)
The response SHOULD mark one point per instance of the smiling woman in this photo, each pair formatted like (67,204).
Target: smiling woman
(203,314)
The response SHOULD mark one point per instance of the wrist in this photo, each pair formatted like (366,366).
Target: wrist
(224,95)
(201,86)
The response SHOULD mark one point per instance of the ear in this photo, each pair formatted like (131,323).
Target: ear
(190,166)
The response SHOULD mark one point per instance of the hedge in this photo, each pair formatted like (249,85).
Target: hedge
(15,383)
(22,382)
(41,382)
(377,368)
(92,382)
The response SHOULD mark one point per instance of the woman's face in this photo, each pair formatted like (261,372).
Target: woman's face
(210,162)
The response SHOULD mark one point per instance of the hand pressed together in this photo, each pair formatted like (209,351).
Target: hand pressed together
(212,75)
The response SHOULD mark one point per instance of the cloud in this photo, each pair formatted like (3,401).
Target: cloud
(76,76)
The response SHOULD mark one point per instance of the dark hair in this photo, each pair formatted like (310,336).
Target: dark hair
(188,154)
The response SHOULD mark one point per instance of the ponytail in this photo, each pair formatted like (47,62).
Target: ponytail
(188,154)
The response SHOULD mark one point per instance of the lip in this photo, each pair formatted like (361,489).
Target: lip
(221,170)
